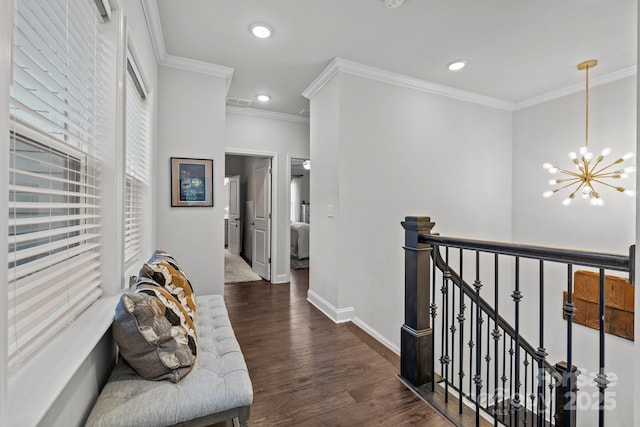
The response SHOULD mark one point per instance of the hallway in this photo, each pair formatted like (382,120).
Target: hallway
(308,371)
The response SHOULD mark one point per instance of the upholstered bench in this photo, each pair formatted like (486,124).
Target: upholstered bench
(218,387)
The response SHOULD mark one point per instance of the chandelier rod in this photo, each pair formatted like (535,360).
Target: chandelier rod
(585,66)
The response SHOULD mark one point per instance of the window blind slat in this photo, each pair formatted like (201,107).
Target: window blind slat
(53,232)
(30,308)
(24,270)
(48,327)
(45,205)
(38,190)
(53,178)
(17,222)
(50,274)
(50,247)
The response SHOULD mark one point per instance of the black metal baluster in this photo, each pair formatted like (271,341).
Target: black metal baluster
(517,297)
(471,344)
(434,309)
(477,379)
(552,401)
(461,335)
(569,310)
(444,360)
(532,395)
(453,329)
(511,351)
(487,358)
(496,342)
(541,352)
(601,379)
(504,372)
(526,383)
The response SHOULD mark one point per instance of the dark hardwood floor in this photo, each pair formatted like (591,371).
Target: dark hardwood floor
(308,371)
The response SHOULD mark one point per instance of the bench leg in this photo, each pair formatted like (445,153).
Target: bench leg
(243,417)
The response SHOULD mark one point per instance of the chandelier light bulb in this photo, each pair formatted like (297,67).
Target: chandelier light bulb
(627,156)
(630,193)
(566,201)
(573,155)
(547,194)
(583,150)
(629,169)
(553,169)
(606,152)
(547,165)
(588,156)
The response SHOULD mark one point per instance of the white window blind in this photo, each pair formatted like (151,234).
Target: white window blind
(137,165)
(54,198)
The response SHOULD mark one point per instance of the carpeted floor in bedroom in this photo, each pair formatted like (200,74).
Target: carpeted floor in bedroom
(237,270)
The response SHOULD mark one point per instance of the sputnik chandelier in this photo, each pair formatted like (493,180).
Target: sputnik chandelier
(589,174)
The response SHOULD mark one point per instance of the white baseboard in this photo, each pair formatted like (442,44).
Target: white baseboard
(342,315)
(281,278)
(376,335)
(337,315)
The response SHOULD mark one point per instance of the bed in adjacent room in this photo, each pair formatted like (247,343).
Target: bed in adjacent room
(299,240)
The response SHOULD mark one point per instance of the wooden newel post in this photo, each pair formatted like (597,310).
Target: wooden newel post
(416,336)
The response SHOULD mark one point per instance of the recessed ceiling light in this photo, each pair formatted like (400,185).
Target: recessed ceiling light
(263,98)
(457,65)
(262,31)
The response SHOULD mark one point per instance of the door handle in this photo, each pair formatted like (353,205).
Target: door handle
(252,223)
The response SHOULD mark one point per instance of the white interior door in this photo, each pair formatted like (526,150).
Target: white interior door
(234,224)
(262,218)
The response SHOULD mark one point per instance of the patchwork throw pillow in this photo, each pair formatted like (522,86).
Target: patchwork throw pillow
(160,255)
(173,281)
(154,333)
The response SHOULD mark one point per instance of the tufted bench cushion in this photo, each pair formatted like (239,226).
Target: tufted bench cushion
(217,388)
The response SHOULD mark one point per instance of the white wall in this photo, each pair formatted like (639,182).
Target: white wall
(277,138)
(396,152)
(323,235)
(546,133)
(191,121)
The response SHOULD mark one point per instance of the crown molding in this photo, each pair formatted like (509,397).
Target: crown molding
(323,78)
(198,67)
(579,87)
(152,16)
(266,114)
(354,68)
(349,67)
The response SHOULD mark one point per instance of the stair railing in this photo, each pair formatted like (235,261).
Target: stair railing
(519,360)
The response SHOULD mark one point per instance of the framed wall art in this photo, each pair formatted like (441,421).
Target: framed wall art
(191,182)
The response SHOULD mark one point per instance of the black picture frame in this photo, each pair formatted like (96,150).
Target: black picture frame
(191,182)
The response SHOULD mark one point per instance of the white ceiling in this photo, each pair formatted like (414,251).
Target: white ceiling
(516,49)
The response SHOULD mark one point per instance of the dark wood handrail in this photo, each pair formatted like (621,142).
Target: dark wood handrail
(567,256)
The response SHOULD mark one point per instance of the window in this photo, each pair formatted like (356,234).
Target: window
(137,164)
(54,201)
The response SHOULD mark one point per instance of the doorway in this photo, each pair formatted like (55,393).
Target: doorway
(247,218)
(300,212)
